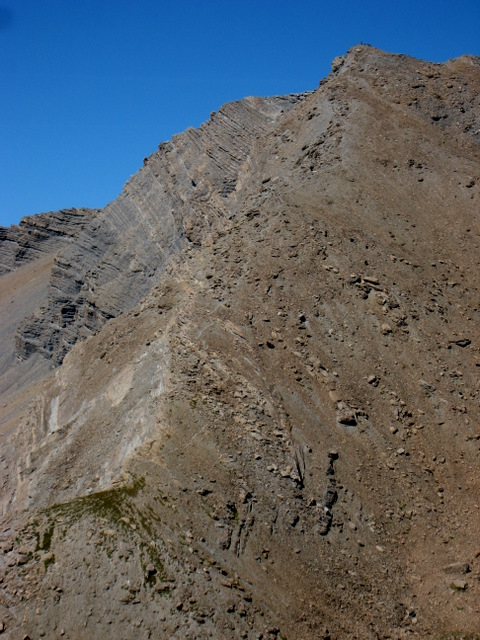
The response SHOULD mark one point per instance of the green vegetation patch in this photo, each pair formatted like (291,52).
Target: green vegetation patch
(117,507)
(45,542)
(111,504)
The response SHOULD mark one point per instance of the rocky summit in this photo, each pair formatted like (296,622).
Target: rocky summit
(242,400)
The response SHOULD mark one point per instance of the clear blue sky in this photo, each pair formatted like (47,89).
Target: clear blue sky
(90,87)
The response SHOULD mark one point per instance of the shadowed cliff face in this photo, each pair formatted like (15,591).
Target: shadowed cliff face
(275,434)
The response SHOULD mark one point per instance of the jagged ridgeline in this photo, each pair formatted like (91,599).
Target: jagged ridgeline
(262,419)
(120,253)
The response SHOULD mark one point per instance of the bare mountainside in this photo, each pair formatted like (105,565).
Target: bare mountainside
(262,418)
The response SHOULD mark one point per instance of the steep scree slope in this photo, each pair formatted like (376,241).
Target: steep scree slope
(281,438)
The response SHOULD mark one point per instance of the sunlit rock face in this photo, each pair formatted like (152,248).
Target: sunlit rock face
(180,193)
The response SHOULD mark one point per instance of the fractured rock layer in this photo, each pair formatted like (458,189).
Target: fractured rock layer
(45,233)
(180,193)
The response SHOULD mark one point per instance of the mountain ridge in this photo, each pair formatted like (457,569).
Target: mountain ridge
(158,209)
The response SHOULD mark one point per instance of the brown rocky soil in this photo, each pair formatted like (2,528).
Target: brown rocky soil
(263,416)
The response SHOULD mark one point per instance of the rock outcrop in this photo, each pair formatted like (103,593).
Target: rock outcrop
(181,192)
(36,236)
(264,423)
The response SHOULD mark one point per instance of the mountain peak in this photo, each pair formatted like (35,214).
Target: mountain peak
(261,419)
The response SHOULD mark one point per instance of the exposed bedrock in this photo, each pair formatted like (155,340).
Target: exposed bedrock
(182,191)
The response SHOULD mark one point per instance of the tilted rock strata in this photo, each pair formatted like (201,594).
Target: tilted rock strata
(180,193)
(39,235)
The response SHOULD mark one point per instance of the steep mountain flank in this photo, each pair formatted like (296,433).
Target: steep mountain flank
(180,193)
(275,435)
